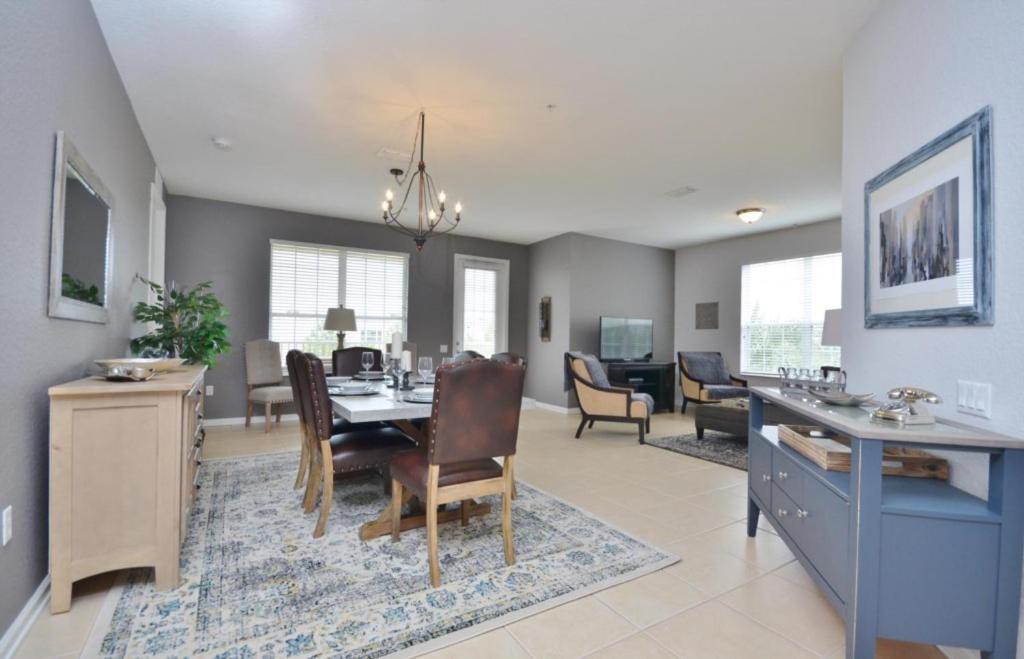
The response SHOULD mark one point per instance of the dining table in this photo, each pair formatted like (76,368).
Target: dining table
(412,418)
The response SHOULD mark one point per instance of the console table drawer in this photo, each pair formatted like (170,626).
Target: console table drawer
(825,520)
(787,474)
(759,467)
(788,513)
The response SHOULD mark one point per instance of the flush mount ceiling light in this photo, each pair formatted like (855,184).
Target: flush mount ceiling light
(222,143)
(432,217)
(750,215)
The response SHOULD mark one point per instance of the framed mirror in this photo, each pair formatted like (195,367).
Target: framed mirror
(80,238)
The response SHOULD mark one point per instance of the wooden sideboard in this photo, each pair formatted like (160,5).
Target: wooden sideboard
(910,559)
(123,468)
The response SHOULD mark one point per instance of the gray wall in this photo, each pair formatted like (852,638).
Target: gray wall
(589,277)
(229,244)
(711,273)
(55,74)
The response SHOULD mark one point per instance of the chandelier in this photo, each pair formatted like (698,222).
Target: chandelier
(432,217)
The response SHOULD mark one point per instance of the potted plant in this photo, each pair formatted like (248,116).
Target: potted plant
(189,323)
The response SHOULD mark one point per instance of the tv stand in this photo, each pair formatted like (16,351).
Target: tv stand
(648,377)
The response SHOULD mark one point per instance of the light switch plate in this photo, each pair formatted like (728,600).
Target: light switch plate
(8,525)
(974,398)
(444,348)
(209,390)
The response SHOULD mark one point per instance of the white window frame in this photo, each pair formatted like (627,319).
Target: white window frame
(342,261)
(502,267)
(814,323)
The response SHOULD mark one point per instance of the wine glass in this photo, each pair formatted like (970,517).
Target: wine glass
(425,366)
(367,361)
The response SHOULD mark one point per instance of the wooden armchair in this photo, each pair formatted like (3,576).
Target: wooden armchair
(599,401)
(475,419)
(704,378)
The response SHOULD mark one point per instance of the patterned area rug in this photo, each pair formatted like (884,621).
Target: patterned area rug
(720,447)
(256,584)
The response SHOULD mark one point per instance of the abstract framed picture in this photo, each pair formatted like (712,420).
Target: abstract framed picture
(928,233)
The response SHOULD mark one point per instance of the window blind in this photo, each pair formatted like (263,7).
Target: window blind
(479,311)
(306,280)
(783,311)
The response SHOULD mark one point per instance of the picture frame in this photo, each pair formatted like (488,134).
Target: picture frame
(928,254)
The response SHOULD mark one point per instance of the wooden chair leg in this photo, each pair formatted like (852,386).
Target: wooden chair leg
(591,424)
(248,413)
(641,427)
(267,410)
(303,464)
(396,509)
(464,512)
(278,417)
(506,513)
(683,411)
(648,425)
(435,567)
(312,484)
(326,487)
(579,430)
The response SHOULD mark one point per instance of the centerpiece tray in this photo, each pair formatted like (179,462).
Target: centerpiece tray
(831,451)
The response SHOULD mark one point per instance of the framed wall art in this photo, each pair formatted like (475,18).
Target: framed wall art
(928,233)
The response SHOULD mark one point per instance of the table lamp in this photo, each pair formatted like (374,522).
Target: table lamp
(831,332)
(340,320)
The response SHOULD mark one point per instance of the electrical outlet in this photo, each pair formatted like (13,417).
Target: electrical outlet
(444,348)
(209,390)
(974,398)
(8,525)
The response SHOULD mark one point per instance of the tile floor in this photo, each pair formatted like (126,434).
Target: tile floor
(730,597)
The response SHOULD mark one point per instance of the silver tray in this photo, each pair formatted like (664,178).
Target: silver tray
(841,398)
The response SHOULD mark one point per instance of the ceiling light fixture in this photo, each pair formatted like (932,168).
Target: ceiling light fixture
(432,217)
(750,215)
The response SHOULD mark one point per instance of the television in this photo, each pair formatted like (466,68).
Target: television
(626,339)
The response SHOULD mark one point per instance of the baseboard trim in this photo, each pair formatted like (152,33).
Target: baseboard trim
(556,408)
(16,633)
(240,420)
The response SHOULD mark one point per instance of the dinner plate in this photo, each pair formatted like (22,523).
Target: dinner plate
(369,375)
(338,391)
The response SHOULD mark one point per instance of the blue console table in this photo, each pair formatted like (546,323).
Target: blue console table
(910,559)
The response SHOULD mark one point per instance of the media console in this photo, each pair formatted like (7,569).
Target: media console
(910,559)
(654,378)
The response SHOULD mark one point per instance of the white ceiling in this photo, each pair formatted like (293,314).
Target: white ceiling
(740,99)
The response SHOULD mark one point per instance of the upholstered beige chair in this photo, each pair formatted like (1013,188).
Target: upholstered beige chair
(599,401)
(265,380)
(704,378)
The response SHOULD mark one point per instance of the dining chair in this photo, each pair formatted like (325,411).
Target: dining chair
(349,361)
(466,355)
(509,358)
(348,452)
(475,419)
(263,378)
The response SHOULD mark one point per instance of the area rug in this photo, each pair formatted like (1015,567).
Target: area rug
(720,447)
(256,584)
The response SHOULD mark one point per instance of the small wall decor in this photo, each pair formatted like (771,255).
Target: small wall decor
(545,318)
(928,233)
(707,315)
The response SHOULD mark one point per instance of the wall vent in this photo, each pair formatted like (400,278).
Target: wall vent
(680,192)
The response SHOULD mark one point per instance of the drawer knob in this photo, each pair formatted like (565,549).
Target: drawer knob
(766,478)
(783,475)
(783,512)
(802,514)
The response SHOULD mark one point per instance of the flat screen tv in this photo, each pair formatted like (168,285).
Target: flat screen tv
(626,339)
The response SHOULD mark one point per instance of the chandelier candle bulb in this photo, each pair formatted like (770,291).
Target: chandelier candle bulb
(389,195)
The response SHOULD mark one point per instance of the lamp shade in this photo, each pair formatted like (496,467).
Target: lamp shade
(340,319)
(831,332)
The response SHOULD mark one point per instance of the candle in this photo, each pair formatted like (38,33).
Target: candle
(407,361)
(396,345)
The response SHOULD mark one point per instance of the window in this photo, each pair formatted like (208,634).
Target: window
(783,311)
(306,280)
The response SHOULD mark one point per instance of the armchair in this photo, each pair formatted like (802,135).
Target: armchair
(704,378)
(599,401)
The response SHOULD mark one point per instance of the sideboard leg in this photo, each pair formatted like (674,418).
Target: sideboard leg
(1006,496)
(865,536)
(753,513)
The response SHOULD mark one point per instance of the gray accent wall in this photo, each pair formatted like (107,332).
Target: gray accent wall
(55,74)
(589,277)
(711,273)
(229,244)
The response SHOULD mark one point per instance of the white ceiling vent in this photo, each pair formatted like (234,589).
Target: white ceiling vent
(680,192)
(388,153)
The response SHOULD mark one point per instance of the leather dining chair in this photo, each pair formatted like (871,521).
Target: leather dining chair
(357,450)
(349,361)
(475,419)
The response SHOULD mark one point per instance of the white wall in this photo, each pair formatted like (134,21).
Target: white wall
(917,68)
(711,273)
